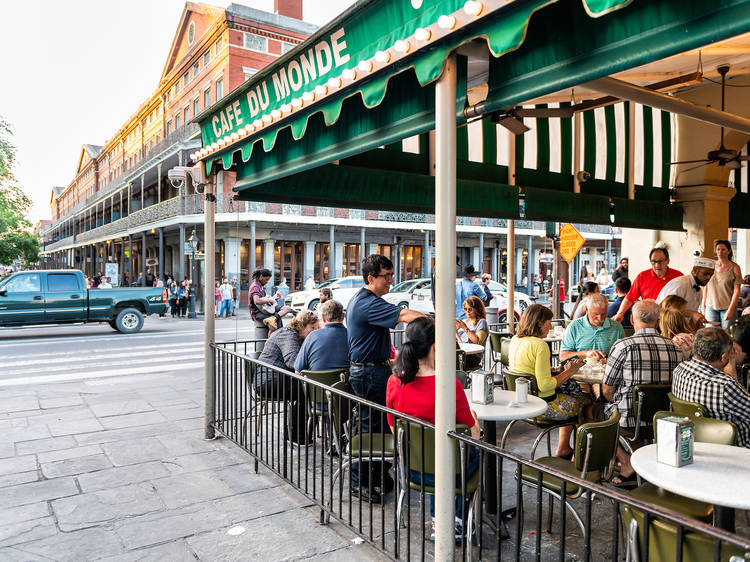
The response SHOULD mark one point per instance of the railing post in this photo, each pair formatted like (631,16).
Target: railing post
(209,301)
(445,309)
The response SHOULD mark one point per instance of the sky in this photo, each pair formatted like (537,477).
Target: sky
(73,72)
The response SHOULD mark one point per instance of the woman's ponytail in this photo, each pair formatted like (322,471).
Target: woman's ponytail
(420,336)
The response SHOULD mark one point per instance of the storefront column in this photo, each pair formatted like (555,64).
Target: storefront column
(331,252)
(532,265)
(480,260)
(309,263)
(362,243)
(742,251)
(253,265)
(268,258)
(339,263)
(161,254)
(427,255)
(143,258)
(495,262)
(121,265)
(181,254)
(372,249)
(519,266)
(232,264)
(476,259)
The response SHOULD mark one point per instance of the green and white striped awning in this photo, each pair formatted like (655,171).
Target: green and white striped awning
(366,80)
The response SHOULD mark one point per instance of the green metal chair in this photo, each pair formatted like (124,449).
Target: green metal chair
(359,447)
(499,351)
(647,400)
(545,425)
(662,541)
(629,332)
(315,396)
(594,460)
(707,430)
(418,453)
(690,410)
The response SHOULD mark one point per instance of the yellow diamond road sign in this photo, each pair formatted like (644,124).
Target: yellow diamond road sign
(570,242)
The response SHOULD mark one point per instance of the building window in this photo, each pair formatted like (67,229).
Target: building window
(286,47)
(219,45)
(255,42)
(166,96)
(196,68)
(206,58)
(196,106)
(248,73)
(219,89)
(207,98)
(191,33)
(177,122)
(185,79)
(186,114)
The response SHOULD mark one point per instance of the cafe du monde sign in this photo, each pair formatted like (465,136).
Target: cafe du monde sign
(334,57)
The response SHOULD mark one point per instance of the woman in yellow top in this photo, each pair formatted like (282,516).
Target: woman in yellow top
(529,354)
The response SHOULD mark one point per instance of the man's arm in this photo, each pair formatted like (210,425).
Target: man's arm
(407,315)
(566,354)
(626,304)
(608,392)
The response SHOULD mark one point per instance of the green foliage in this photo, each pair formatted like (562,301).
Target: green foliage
(15,239)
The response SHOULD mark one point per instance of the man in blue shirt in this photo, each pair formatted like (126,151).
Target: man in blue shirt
(327,348)
(369,320)
(622,286)
(592,335)
(465,288)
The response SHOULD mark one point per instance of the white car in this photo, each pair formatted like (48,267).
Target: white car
(342,289)
(401,294)
(421,300)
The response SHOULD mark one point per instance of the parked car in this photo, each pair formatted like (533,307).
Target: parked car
(401,294)
(421,300)
(60,296)
(342,288)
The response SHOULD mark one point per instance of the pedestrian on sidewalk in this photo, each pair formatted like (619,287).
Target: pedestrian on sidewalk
(226,298)
(182,296)
(217,307)
(235,296)
(173,299)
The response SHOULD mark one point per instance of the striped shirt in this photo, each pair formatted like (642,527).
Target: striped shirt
(720,394)
(643,358)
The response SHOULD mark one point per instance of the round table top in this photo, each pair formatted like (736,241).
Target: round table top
(712,464)
(500,409)
(471,348)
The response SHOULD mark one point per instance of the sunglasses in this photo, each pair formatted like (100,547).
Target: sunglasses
(384,275)
(467,308)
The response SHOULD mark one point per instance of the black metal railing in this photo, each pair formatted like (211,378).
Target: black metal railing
(312,434)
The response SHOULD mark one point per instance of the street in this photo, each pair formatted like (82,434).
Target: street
(79,352)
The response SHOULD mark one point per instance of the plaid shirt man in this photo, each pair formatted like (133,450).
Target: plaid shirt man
(643,358)
(720,394)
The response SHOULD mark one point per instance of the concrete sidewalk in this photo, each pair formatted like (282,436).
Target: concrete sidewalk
(116,469)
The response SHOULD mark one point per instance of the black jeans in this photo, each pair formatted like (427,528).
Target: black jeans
(369,382)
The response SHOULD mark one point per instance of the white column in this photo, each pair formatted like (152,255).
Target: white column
(309,265)
(232,265)
(476,260)
(268,258)
(372,249)
(339,260)
(742,252)
(445,309)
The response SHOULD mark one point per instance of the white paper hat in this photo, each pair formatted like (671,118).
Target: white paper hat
(704,262)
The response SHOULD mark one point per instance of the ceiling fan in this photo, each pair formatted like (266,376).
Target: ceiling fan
(511,118)
(722,156)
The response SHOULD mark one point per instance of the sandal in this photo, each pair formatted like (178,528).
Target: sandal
(567,456)
(625,481)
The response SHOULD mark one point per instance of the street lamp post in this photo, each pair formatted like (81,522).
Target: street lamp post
(193,244)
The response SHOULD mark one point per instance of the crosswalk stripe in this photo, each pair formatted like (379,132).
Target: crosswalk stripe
(67,377)
(102,363)
(75,356)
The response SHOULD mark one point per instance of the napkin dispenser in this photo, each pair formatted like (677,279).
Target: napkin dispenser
(482,387)
(674,441)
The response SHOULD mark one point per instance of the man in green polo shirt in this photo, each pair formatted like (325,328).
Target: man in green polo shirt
(592,335)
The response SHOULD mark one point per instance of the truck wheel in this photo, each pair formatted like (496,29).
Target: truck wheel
(313,305)
(129,320)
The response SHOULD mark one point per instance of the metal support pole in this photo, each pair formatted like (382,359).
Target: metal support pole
(158,183)
(143,188)
(445,309)
(130,260)
(480,262)
(556,273)
(529,267)
(161,254)
(209,301)
(181,253)
(427,254)
(362,244)
(511,279)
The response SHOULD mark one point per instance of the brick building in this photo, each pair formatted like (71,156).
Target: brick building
(121,208)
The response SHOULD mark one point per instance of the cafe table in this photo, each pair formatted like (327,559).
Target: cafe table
(503,408)
(712,464)
(471,348)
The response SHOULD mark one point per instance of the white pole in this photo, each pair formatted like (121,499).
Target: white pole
(445,309)
(209,300)
(511,279)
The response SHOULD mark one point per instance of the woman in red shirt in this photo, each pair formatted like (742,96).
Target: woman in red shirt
(411,390)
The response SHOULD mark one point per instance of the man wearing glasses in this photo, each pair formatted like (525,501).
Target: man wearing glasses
(649,283)
(369,320)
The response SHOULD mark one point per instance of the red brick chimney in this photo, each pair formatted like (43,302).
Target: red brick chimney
(290,8)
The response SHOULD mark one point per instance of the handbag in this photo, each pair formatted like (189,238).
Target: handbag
(571,388)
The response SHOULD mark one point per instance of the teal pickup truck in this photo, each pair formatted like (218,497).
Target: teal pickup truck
(60,296)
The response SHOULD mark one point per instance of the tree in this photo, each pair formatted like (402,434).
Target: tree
(16,242)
